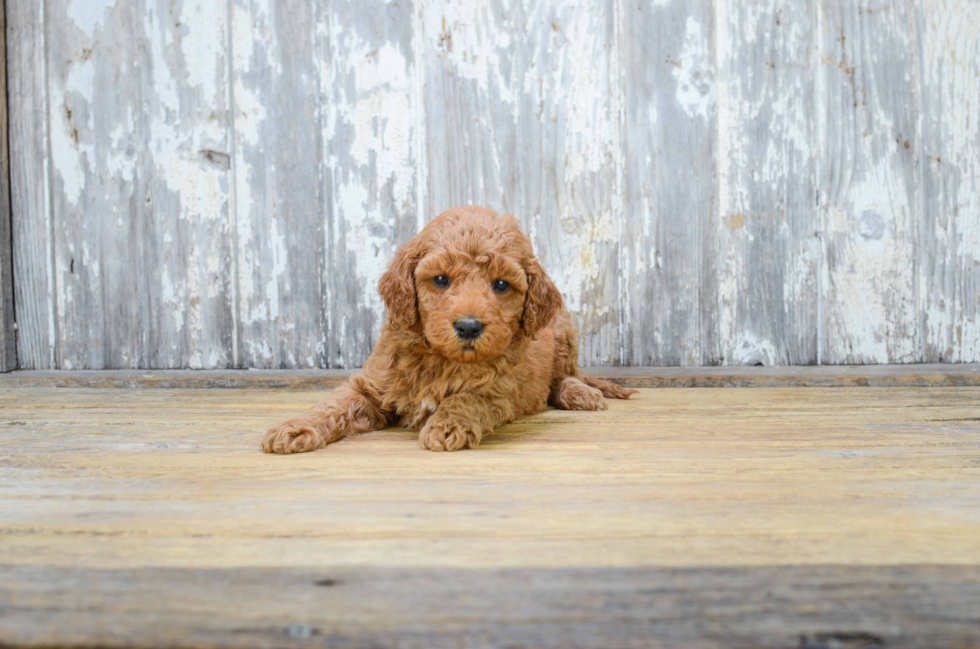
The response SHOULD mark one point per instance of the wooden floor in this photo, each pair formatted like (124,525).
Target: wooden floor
(784,517)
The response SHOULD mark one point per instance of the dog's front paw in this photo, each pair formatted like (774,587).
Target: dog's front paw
(293,436)
(449,436)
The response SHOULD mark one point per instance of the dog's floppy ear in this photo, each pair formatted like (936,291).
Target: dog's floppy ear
(397,286)
(542,300)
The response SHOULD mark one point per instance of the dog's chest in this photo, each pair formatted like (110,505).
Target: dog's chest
(419,413)
(419,398)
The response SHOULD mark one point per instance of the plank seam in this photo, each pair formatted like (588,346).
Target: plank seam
(619,106)
(53,329)
(819,91)
(421,134)
(8,355)
(720,41)
(233,181)
(920,278)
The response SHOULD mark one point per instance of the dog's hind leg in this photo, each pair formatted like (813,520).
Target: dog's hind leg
(566,365)
(573,394)
(348,411)
(609,389)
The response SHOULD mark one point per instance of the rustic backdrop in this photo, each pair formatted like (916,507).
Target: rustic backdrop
(210,184)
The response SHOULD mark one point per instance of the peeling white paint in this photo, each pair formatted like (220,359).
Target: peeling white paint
(536,95)
(88,15)
(374,102)
(751,350)
(692,71)
(204,55)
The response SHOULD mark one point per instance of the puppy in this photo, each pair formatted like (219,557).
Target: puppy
(477,336)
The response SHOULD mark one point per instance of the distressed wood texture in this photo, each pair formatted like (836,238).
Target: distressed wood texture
(201,184)
(8,336)
(922,375)
(786,517)
(768,607)
(868,77)
(761,294)
(29,199)
(949,236)
(669,130)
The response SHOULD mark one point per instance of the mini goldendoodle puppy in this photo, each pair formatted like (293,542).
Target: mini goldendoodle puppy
(477,336)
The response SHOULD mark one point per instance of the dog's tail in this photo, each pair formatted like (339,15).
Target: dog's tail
(609,389)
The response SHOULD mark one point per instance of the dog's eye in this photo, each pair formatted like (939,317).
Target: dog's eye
(500,286)
(441,281)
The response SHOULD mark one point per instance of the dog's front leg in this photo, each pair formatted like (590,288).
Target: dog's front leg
(461,421)
(348,411)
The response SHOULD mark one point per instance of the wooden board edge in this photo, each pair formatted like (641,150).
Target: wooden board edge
(934,375)
(8,340)
(818,606)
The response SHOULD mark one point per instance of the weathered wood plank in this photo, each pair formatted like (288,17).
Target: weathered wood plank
(140,195)
(95,221)
(949,235)
(29,200)
(700,192)
(184,75)
(763,248)
(741,518)
(670,174)
(281,210)
(522,115)
(372,120)
(670,478)
(8,333)
(808,607)
(831,376)
(868,84)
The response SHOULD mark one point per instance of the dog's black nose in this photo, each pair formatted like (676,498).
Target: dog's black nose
(468,328)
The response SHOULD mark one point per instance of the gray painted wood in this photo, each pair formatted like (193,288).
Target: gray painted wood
(949,230)
(762,289)
(868,86)
(669,177)
(280,220)
(29,199)
(808,607)
(221,184)
(8,335)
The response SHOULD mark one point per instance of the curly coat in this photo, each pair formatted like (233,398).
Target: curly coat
(425,374)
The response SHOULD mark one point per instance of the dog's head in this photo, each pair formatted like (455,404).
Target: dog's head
(469,282)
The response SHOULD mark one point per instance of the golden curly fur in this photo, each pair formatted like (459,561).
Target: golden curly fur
(427,374)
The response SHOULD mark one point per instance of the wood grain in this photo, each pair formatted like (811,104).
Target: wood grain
(949,232)
(762,291)
(133,242)
(281,209)
(220,184)
(827,376)
(174,478)
(8,334)
(819,607)
(37,341)
(728,518)
(868,181)
(670,175)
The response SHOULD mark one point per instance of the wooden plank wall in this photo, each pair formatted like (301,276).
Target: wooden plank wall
(220,184)
(8,336)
